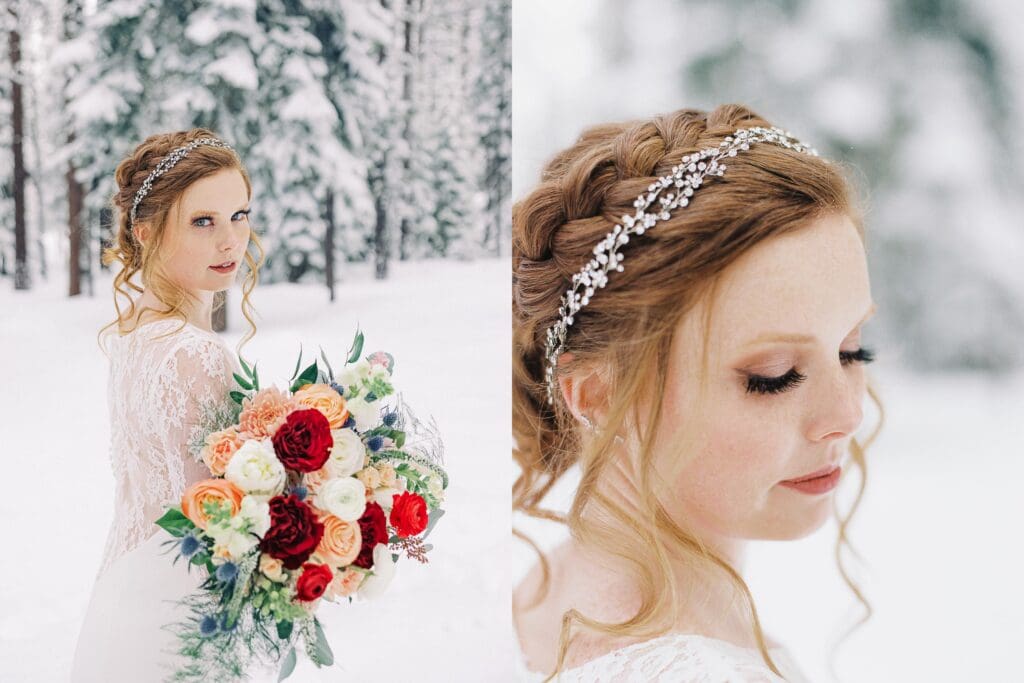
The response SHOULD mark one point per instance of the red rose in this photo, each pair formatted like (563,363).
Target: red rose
(294,531)
(374,527)
(303,443)
(312,581)
(409,514)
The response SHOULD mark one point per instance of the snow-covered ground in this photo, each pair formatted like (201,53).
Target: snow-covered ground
(940,529)
(446,324)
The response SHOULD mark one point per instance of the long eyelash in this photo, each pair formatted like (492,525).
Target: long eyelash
(210,218)
(756,384)
(861,355)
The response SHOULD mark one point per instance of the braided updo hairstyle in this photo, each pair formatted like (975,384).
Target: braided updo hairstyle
(166,191)
(627,328)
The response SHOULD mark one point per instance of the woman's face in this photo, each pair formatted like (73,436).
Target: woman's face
(783,391)
(208,227)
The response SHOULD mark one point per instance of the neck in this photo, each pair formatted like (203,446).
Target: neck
(199,314)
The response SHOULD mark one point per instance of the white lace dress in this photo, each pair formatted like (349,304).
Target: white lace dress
(158,392)
(678,658)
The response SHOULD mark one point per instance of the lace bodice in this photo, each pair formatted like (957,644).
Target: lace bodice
(678,657)
(162,385)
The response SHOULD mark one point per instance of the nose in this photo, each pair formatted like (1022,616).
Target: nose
(229,240)
(839,407)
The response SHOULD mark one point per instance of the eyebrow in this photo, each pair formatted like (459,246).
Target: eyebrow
(789,338)
(210,212)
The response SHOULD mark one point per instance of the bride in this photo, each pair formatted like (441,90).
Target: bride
(183,200)
(706,378)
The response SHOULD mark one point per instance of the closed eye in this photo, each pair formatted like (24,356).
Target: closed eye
(861,355)
(759,384)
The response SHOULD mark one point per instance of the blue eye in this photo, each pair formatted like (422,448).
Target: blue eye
(196,220)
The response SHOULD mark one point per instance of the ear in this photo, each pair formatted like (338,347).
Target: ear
(141,232)
(585,392)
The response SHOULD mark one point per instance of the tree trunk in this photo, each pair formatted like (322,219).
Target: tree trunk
(329,242)
(75,197)
(21,272)
(380,231)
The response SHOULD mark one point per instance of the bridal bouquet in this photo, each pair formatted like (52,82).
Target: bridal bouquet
(315,494)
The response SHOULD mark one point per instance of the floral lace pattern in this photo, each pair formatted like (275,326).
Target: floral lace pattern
(678,657)
(161,384)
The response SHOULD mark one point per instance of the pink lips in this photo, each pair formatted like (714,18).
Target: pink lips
(818,482)
(225,269)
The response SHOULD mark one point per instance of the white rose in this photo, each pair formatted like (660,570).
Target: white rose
(255,469)
(385,498)
(383,571)
(348,453)
(366,415)
(228,539)
(345,498)
(256,514)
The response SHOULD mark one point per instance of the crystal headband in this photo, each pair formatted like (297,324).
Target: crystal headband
(686,178)
(167,163)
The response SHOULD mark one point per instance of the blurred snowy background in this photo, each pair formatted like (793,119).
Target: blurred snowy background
(372,129)
(923,97)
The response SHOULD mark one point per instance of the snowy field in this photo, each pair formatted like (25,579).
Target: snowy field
(446,324)
(940,531)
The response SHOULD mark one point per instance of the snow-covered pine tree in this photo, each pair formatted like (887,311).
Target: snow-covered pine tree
(493,103)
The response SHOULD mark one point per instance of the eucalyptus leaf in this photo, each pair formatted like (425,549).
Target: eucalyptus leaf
(432,522)
(298,361)
(330,370)
(287,665)
(322,648)
(356,349)
(284,629)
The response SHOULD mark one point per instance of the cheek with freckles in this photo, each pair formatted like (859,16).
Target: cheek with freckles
(728,486)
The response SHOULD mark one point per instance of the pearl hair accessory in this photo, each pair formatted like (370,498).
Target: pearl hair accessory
(167,163)
(685,178)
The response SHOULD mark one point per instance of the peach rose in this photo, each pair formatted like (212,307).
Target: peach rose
(219,448)
(340,544)
(344,583)
(265,412)
(388,477)
(315,479)
(326,400)
(209,490)
(271,568)
(369,476)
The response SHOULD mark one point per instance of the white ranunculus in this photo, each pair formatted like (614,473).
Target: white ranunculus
(354,373)
(345,498)
(385,498)
(376,583)
(366,415)
(255,513)
(229,539)
(348,453)
(255,469)
(436,487)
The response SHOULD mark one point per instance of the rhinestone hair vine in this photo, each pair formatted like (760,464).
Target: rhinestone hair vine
(167,163)
(685,179)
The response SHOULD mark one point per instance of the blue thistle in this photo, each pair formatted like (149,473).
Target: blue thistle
(300,492)
(390,419)
(208,625)
(349,423)
(337,387)
(375,443)
(189,545)
(227,572)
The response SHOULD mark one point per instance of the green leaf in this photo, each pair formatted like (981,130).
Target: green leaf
(322,649)
(284,629)
(241,381)
(356,349)
(287,666)
(256,377)
(298,361)
(175,523)
(432,522)
(330,370)
(309,374)
(237,397)
(245,366)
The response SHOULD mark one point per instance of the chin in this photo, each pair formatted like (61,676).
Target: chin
(796,521)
